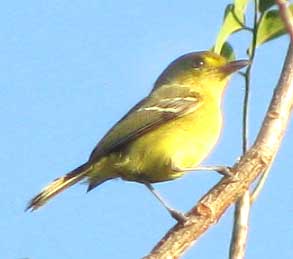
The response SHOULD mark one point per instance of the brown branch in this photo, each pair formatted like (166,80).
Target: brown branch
(286,16)
(256,160)
(287,19)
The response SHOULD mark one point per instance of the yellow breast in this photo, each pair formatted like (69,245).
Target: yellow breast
(183,142)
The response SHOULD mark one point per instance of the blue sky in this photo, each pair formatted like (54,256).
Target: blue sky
(69,71)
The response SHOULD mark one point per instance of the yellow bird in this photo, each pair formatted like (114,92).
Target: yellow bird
(166,134)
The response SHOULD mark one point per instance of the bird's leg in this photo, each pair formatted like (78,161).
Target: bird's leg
(177,215)
(223,170)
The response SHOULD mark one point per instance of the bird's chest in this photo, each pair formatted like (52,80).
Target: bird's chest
(183,143)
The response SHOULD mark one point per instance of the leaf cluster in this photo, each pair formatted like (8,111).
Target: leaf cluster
(269,25)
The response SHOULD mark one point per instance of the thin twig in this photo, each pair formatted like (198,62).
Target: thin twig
(240,227)
(210,208)
(242,206)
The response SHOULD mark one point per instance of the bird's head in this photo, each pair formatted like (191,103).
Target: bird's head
(201,69)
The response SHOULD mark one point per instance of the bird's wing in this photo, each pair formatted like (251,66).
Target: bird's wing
(142,118)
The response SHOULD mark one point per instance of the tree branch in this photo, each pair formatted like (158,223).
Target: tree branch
(256,160)
(286,16)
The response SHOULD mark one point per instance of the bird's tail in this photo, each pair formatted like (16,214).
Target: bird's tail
(58,185)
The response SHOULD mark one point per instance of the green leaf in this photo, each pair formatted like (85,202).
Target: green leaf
(228,52)
(264,5)
(270,26)
(234,20)
(240,6)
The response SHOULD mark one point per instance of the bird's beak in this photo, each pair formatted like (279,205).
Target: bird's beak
(233,66)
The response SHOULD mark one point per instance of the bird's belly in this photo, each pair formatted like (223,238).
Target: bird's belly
(182,143)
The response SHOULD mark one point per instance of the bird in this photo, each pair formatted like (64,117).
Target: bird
(168,133)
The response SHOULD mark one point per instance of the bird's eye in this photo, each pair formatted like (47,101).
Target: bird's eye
(197,63)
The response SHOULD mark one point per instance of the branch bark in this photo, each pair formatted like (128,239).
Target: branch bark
(286,16)
(256,160)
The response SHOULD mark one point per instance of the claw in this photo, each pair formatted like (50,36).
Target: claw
(224,170)
(178,216)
